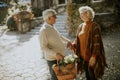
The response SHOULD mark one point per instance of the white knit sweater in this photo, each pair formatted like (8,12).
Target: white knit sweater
(51,42)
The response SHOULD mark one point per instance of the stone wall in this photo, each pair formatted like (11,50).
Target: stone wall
(104,14)
(105,20)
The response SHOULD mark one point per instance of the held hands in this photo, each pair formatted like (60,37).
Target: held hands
(71,46)
(59,56)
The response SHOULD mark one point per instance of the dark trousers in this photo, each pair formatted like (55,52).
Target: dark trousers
(50,64)
(89,72)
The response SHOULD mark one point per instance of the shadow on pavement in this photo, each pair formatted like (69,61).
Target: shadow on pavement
(20,37)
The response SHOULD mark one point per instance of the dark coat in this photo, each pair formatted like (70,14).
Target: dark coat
(94,48)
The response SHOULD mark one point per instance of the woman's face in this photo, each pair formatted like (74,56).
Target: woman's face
(84,16)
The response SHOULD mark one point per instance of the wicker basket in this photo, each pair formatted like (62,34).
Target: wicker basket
(67,72)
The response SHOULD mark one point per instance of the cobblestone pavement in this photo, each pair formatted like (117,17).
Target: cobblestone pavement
(111,39)
(21,58)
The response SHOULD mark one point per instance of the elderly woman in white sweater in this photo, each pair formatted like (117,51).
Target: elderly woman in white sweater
(51,41)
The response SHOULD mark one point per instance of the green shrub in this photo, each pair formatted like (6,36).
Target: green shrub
(11,24)
(73,18)
(3,13)
(37,12)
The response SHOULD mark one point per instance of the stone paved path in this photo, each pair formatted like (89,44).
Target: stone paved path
(21,59)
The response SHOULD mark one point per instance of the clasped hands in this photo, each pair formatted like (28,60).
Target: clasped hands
(92,59)
(71,46)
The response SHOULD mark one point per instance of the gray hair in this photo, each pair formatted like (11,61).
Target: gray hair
(88,10)
(47,13)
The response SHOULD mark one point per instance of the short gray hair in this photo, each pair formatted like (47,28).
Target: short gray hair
(47,13)
(88,10)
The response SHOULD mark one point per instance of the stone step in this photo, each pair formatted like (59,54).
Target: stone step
(32,33)
(60,28)
(62,31)
(36,31)
(61,16)
(61,20)
(56,26)
(60,25)
(37,27)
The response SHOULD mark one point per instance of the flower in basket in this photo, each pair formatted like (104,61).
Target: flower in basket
(70,59)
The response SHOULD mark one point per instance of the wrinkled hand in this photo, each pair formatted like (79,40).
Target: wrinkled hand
(74,47)
(59,56)
(69,45)
(92,62)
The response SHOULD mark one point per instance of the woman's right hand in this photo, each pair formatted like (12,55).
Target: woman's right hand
(92,62)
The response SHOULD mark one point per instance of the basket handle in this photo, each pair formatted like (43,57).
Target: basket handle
(60,63)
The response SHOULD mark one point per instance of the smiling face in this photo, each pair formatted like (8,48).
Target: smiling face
(84,16)
(51,19)
(86,13)
(49,16)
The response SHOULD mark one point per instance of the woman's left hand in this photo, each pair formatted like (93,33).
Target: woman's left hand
(92,62)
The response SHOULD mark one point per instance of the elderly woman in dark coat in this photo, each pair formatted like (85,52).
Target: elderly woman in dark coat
(89,46)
